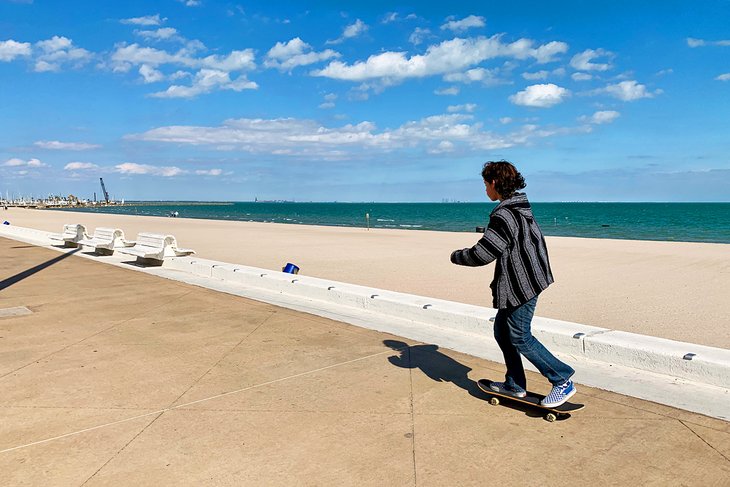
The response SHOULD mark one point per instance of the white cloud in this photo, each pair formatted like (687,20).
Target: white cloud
(179,75)
(126,56)
(467,107)
(450,91)
(11,49)
(464,24)
(16,162)
(278,136)
(77,166)
(209,172)
(447,57)
(292,136)
(695,42)
(583,60)
(191,3)
(442,147)
(418,36)
(351,31)
(543,74)
(390,17)
(691,42)
(581,76)
(58,51)
(628,91)
(601,117)
(285,50)
(134,54)
(235,61)
(55,43)
(488,77)
(57,145)
(541,96)
(537,75)
(162,34)
(144,169)
(506,120)
(723,77)
(306,138)
(329,101)
(396,17)
(148,20)
(206,81)
(132,168)
(287,56)
(150,74)
(44,66)
(547,52)
(214,71)
(354,30)
(169,172)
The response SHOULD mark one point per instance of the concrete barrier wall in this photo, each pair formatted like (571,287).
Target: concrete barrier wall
(698,363)
(679,359)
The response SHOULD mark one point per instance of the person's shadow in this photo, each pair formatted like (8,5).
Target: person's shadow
(436,365)
(442,368)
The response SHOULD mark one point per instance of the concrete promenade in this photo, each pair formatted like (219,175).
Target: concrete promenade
(115,377)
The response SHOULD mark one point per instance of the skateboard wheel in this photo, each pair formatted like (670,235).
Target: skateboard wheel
(494,401)
(551,417)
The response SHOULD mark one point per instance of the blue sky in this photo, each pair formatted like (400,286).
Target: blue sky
(365,101)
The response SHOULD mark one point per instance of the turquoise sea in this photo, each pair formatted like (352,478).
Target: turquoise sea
(688,222)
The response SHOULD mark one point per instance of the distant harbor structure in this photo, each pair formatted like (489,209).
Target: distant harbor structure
(53,201)
(58,201)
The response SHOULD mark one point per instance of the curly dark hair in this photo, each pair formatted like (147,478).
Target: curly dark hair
(507,179)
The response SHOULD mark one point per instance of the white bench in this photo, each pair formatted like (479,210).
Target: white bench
(153,248)
(105,240)
(72,234)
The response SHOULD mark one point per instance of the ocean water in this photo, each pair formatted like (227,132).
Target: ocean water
(687,222)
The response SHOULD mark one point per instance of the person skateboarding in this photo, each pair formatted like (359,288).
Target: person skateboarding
(514,240)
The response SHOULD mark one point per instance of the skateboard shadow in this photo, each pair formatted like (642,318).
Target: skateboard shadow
(442,368)
(437,366)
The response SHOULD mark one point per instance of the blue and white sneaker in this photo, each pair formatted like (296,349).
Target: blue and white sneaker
(559,395)
(502,388)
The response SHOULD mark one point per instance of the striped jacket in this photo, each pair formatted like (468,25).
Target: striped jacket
(514,239)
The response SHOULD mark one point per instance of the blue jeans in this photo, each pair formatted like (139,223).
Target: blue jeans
(512,331)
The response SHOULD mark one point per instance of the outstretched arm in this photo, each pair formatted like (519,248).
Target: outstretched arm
(488,248)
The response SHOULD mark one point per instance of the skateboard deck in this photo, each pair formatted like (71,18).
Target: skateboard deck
(532,400)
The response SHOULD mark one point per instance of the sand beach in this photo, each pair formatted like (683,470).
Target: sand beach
(672,290)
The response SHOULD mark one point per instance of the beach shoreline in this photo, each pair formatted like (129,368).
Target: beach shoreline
(673,222)
(673,290)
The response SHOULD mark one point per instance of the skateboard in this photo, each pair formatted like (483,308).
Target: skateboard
(533,400)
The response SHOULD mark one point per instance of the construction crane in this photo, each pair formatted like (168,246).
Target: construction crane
(103,190)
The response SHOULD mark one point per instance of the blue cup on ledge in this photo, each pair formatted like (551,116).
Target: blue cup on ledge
(290,268)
